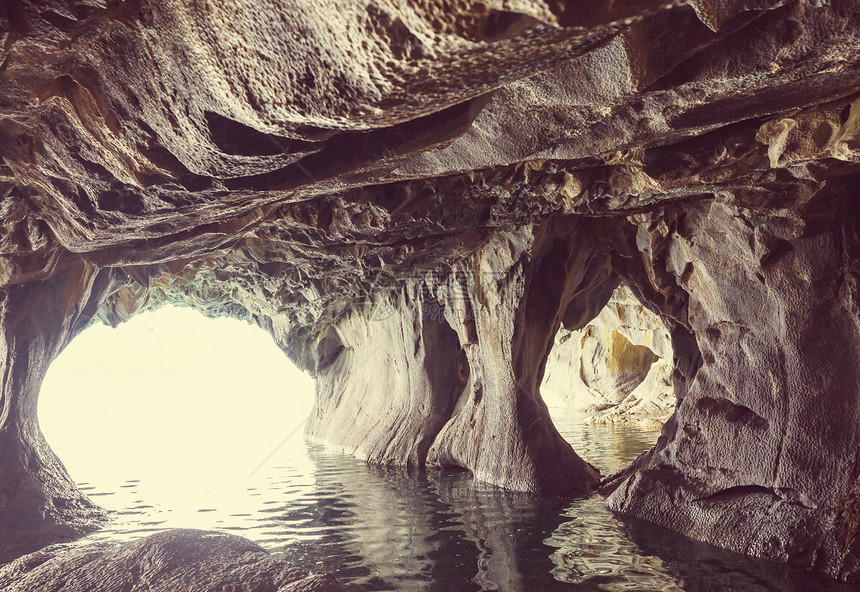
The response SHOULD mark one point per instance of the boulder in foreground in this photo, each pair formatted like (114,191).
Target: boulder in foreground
(170,561)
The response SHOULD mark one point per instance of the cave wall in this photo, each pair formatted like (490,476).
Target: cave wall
(505,162)
(760,456)
(389,379)
(38,500)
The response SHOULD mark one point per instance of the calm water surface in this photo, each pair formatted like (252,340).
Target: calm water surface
(378,529)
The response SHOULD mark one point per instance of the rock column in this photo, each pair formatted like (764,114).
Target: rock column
(761,456)
(39,503)
(387,379)
(506,303)
(446,371)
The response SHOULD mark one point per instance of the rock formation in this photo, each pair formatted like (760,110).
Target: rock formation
(412,196)
(617,369)
(770,301)
(460,367)
(188,560)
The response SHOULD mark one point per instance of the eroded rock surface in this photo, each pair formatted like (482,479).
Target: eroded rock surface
(770,299)
(38,500)
(188,560)
(434,372)
(617,369)
(437,187)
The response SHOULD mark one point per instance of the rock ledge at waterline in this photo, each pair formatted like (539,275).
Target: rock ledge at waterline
(170,561)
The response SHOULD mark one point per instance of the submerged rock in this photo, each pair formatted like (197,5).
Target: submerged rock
(187,560)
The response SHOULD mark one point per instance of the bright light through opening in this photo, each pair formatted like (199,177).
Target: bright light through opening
(186,405)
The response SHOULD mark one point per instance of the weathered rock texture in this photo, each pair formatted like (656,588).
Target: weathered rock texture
(618,369)
(767,425)
(187,560)
(432,188)
(431,375)
(37,498)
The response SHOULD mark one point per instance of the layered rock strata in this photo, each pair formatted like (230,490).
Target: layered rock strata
(450,183)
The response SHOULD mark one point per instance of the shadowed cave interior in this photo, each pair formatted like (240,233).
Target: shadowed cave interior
(424,204)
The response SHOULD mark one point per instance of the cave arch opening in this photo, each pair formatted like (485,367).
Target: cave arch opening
(173,409)
(608,386)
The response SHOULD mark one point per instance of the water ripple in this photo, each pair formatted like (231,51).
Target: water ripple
(381,529)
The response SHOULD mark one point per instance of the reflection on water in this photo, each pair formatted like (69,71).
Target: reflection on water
(380,529)
(397,532)
(608,447)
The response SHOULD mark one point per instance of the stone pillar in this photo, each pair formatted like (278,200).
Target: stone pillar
(446,371)
(387,379)
(761,456)
(506,303)
(39,503)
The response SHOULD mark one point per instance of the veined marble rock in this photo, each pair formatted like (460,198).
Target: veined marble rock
(440,186)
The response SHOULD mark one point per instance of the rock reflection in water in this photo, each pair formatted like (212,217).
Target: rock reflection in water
(370,526)
(593,551)
(699,567)
(381,529)
(507,528)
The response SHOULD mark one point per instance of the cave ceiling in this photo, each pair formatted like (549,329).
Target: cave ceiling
(303,153)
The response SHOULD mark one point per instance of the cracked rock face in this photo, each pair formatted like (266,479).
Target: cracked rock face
(413,196)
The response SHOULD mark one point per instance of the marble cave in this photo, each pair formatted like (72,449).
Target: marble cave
(454,191)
